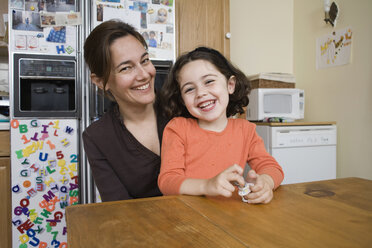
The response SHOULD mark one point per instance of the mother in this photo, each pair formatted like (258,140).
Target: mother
(123,147)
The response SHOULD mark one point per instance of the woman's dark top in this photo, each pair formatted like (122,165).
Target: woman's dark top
(122,167)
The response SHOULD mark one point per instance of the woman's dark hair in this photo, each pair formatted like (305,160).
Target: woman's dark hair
(171,98)
(97,47)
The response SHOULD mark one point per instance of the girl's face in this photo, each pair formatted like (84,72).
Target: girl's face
(131,80)
(205,92)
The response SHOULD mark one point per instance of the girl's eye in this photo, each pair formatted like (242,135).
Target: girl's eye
(209,81)
(188,90)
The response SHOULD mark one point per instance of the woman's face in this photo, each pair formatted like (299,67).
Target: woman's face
(131,80)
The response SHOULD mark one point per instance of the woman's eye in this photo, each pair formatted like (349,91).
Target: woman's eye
(126,68)
(145,61)
(209,81)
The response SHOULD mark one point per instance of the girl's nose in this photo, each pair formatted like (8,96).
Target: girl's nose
(201,92)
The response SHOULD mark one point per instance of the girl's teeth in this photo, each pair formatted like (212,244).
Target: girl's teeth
(206,104)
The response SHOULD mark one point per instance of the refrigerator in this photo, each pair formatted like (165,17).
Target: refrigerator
(52,101)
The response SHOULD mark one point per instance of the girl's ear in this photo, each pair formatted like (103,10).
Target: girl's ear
(231,84)
(97,80)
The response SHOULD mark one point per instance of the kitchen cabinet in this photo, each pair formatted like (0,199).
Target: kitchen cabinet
(204,23)
(5,203)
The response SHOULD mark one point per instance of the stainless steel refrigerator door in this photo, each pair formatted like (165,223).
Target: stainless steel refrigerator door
(44,173)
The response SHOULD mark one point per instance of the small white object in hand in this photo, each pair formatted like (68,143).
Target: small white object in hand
(245,191)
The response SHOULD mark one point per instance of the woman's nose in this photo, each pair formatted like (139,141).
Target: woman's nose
(142,73)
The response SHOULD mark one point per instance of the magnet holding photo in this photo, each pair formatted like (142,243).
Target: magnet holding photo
(151,11)
(54,187)
(60,49)
(52,162)
(35,167)
(50,171)
(25,173)
(64,180)
(65,142)
(51,145)
(24,239)
(14,123)
(43,156)
(16,189)
(43,244)
(70,50)
(25,140)
(42,172)
(44,136)
(23,128)
(34,123)
(26,183)
(69,130)
(25,162)
(32,192)
(19,153)
(40,187)
(16,221)
(51,180)
(35,137)
(40,230)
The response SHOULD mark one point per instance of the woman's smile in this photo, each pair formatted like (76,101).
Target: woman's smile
(142,87)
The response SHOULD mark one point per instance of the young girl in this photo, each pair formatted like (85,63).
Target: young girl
(204,151)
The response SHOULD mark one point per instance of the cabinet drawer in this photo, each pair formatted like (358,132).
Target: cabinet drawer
(4,143)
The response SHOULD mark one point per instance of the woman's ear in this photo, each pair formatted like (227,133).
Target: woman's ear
(231,84)
(96,80)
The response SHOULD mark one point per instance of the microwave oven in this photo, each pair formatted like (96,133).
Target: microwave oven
(288,103)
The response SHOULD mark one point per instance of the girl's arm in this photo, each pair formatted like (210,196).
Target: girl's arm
(172,178)
(218,185)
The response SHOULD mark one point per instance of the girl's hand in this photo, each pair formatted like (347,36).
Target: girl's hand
(262,190)
(221,184)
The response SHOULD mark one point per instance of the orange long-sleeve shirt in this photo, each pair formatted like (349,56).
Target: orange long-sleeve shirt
(189,151)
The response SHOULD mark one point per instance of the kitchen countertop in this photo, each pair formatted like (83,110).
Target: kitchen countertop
(296,123)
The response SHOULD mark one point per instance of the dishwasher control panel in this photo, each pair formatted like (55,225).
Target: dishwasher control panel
(296,136)
(305,138)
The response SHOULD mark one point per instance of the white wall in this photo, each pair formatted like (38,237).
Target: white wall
(272,35)
(262,35)
(344,93)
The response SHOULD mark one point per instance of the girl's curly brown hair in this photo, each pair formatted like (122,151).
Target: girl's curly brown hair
(171,98)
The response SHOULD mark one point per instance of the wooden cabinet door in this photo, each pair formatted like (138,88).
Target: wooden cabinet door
(4,143)
(203,23)
(5,205)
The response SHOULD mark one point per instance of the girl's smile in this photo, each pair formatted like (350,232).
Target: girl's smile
(205,93)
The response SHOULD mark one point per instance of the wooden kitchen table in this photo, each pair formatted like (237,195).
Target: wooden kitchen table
(333,213)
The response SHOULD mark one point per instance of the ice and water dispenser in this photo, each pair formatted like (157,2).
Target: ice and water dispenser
(45,86)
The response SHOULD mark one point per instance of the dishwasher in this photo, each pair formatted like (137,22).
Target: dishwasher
(305,152)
